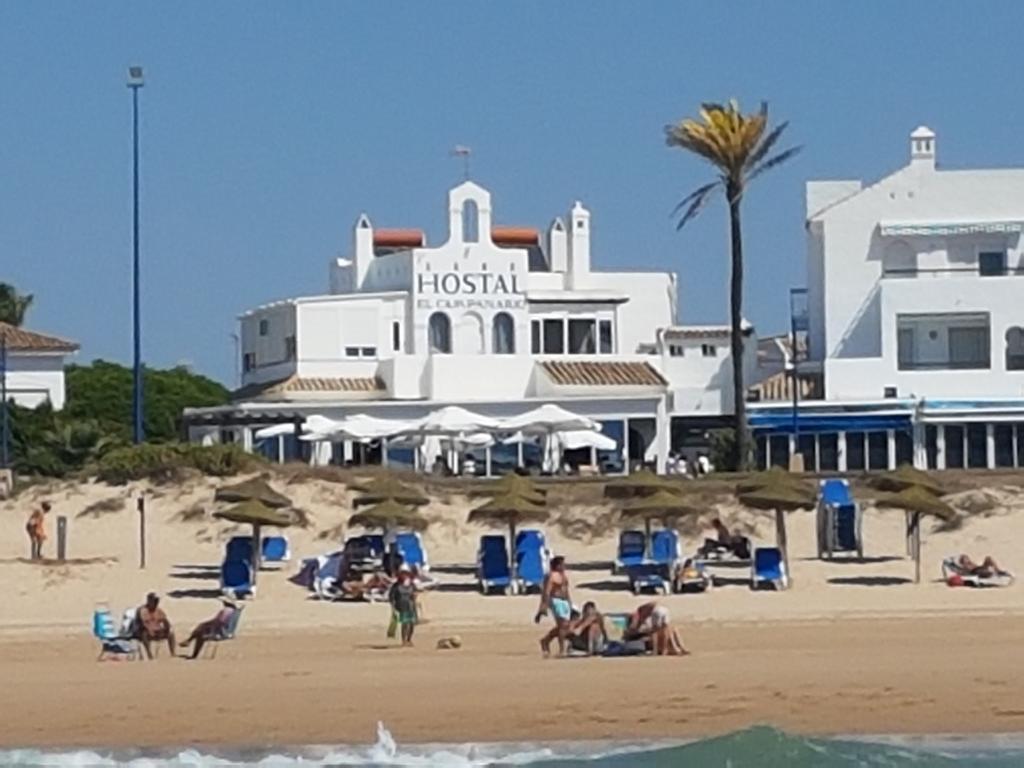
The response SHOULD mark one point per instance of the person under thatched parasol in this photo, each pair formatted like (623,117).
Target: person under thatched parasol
(513,511)
(257,514)
(918,501)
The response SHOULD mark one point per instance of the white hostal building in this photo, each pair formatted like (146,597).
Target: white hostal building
(34,373)
(916,322)
(495,319)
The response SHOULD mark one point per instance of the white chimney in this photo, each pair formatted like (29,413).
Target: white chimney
(579,246)
(362,251)
(558,246)
(922,148)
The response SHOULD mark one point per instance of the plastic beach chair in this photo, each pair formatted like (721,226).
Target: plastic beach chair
(410,547)
(236,578)
(665,548)
(632,550)
(112,644)
(276,550)
(229,632)
(492,566)
(768,569)
(531,560)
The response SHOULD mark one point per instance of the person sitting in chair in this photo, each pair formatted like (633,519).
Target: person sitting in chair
(152,624)
(726,541)
(587,633)
(987,569)
(211,629)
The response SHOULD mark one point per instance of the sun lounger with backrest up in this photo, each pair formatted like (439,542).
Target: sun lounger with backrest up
(531,560)
(239,548)
(632,550)
(236,578)
(275,549)
(656,573)
(410,547)
(492,565)
(768,569)
(839,519)
(955,576)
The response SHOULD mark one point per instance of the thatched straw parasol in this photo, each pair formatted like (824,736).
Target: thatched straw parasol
(510,510)
(662,505)
(388,489)
(511,485)
(256,489)
(257,514)
(906,476)
(781,498)
(640,483)
(918,501)
(387,515)
(774,476)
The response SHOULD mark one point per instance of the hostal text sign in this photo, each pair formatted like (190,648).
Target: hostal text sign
(468,290)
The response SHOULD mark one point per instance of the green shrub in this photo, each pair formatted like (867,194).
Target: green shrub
(171,462)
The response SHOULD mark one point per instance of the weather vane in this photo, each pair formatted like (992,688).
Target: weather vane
(464,152)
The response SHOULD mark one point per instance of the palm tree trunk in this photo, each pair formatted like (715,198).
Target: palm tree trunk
(733,191)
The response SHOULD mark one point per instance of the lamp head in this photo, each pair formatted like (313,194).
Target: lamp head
(135,77)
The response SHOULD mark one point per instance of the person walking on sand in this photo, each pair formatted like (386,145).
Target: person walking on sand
(36,529)
(402,597)
(554,596)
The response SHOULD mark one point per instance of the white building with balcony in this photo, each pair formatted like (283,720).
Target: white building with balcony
(916,321)
(496,319)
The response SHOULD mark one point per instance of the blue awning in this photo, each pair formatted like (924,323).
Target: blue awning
(780,422)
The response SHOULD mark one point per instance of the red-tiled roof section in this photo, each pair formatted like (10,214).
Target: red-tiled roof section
(311,384)
(595,374)
(399,238)
(515,236)
(20,340)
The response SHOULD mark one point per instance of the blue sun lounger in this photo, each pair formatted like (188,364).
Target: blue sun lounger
(492,566)
(531,560)
(839,519)
(275,550)
(410,547)
(632,551)
(656,573)
(768,569)
(236,578)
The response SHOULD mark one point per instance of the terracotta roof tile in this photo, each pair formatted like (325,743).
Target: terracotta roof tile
(599,374)
(294,384)
(21,340)
(779,387)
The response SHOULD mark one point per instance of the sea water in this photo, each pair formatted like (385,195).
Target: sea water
(759,747)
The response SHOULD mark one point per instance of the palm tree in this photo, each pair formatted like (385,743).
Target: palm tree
(741,148)
(13,305)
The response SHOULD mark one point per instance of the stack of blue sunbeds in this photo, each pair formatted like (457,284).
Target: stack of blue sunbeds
(531,558)
(839,520)
(653,572)
(236,577)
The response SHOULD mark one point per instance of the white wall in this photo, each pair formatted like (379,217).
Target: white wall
(272,361)
(703,385)
(34,378)
(651,305)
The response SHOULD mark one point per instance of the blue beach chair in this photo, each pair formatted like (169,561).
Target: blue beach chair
(275,550)
(665,548)
(410,547)
(632,550)
(531,560)
(228,633)
(492,566)
(112,644)
(238,548)
(236,578)
(839,519)
(768,569)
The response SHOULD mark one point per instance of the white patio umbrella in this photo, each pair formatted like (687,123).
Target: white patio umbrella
(585,438)
(279,431)
(454,421)
(547,420)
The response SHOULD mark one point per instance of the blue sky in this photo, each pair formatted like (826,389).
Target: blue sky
(268,127)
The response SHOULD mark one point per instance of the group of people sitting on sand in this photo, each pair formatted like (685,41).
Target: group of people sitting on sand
(648,629)
(150,624)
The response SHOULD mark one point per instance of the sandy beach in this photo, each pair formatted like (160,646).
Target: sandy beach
(851,648)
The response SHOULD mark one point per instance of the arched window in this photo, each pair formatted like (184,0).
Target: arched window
(439,334)
(1015,348)
(504,334)
(470,222)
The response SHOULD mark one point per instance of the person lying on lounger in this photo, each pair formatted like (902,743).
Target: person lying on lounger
(587,633)
(651,623)
(986,570)
(726,541)
(210,629)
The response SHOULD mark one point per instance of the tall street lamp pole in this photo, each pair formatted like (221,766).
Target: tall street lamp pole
(5,427)
(134,83)
(797,323)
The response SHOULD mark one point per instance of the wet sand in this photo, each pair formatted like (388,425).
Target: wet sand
(885,675)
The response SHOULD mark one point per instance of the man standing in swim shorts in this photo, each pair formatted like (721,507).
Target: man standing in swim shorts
(555,597)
